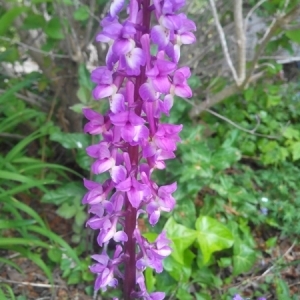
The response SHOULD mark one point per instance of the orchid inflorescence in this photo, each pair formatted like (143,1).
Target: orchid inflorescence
(140,79)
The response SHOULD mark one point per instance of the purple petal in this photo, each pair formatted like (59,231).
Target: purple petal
(147,92)
(172,22)
(154,217)
(160,36)
(101,258)
(118,174)
(122,46)
(162,84)
(117,103)
(124,186)
(116,7)
(91,114)
(101,166)
(133,60)
(183,91)
(165,67)
(120,236)
(167,189)
(90,184)
(187,38)
(120,119)
(141,133)
(157,296)
(135,197)
(103,91)
(102,76)
(134,119)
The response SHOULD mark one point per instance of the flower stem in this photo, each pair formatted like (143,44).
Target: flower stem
(131,212)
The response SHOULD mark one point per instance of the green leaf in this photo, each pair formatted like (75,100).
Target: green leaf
(182,238)
(212,236)
(243,259)
(82,13)
(294,35)
(84,77)
(296,150)
(12,224)
(55,255)
(150,279)
(70,192)
(74,278)
(34,21)
(71,140)
(80,218)
(7,19)
(178,271)
(78,107)
(66,210)
(54,29)
(10,92)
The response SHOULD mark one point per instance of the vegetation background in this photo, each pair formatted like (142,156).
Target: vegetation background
(236,225)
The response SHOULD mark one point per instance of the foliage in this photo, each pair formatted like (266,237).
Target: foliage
(234,188)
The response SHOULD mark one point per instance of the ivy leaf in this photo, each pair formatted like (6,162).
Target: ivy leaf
(212,236)
(243,259)
(182,238)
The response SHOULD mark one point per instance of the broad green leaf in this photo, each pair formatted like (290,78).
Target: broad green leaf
(182,238)
(243,259)
(75,277)
(178,271)
(70,192)
(296,150)
(55,255)
(34,21)
(78,107)
(82,13)
(54,29)
(84,77)
(212,236)
(294,35)
(83,160)
(7,19)
(71,140)
(291,133)
(150,279)
(80,218)
(66,210)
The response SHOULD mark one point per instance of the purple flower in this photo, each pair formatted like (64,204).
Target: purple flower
(140,86)
(237,297)
(105,268)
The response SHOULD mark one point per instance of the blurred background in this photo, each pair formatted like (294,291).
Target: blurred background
(236,225)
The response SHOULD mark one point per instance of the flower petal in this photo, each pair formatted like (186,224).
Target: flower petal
(103,91)
(116,7)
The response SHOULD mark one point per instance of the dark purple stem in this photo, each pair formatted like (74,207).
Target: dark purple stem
(131,212)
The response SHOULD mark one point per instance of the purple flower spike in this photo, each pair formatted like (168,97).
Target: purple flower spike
(140,86)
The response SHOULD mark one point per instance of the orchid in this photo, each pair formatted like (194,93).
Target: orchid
(140,86)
